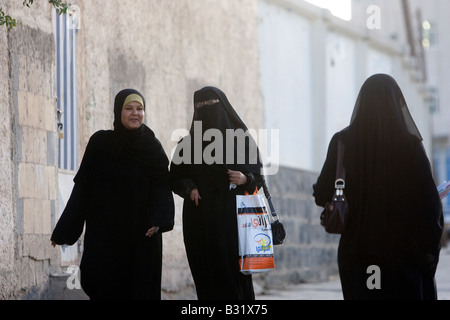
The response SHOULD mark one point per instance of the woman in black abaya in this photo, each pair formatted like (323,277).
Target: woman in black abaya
(209,209)
(122,192)
(396,214)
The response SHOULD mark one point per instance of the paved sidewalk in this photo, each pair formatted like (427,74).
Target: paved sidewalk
(332,290)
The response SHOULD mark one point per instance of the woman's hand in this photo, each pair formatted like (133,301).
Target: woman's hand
(152,231)
(237,177)
(195,196)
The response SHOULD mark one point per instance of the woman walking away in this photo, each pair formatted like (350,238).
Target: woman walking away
(396,220)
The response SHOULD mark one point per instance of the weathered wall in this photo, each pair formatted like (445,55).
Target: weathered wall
(30,182)
(6,192)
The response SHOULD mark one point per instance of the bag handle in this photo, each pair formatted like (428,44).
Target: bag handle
(340,170)
(269,198)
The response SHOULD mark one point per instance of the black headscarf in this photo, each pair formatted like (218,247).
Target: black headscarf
(118,105)
(380,126)
(214,110)
(381,112)
(138,147)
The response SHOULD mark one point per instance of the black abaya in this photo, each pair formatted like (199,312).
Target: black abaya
(121,190)
(396,214)
(210,230)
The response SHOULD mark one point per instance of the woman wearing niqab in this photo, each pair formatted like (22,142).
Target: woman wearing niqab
(123,195)
(396,214)
(209,208)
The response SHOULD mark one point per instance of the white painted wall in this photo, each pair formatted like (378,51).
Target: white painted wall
(285,66)
(312,67)
(340,82)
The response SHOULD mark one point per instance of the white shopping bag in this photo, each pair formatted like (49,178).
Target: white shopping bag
(255,235)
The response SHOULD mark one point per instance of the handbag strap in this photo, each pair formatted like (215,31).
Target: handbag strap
(340,170)
(269,198)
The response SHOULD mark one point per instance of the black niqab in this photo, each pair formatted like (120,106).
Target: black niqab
(222,116)
(210,229)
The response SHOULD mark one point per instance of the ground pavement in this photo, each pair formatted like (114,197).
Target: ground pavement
(332,290)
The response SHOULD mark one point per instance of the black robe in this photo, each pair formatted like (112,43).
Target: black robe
(396,215)
(121,190)
(210,230)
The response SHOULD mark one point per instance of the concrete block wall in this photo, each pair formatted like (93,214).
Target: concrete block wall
(308,254)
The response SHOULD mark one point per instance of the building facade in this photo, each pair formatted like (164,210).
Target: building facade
(437,46)
(287,66)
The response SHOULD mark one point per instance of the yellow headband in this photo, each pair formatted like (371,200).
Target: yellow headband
(133,98)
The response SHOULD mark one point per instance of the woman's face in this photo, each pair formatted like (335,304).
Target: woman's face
(132,115)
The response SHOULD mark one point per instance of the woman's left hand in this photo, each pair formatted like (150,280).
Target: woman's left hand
(237,177)
(150,232)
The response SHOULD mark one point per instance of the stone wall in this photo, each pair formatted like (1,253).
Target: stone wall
(6,199)
(309,254)
(33,173)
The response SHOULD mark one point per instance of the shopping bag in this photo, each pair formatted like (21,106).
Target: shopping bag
(255,235)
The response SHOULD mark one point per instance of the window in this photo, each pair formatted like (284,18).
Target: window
(66,30)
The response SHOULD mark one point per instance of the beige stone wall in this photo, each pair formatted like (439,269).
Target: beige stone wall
(30,178)
(6,198)
(168,49)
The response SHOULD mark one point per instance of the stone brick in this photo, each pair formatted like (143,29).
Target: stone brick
(31,223)
(37,181)
(36,246)
(37,216)
(34,145)
(36,111)
(52,149)
(52,182)
(26,181)
(47,218)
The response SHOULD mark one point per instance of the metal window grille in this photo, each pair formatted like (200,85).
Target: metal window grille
(67,27)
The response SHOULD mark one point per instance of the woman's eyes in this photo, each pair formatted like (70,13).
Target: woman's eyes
(131,109)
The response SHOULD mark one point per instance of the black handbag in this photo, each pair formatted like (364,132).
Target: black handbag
(334,217)
(278,232)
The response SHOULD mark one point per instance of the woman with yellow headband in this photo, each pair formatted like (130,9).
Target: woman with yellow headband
(122,193)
